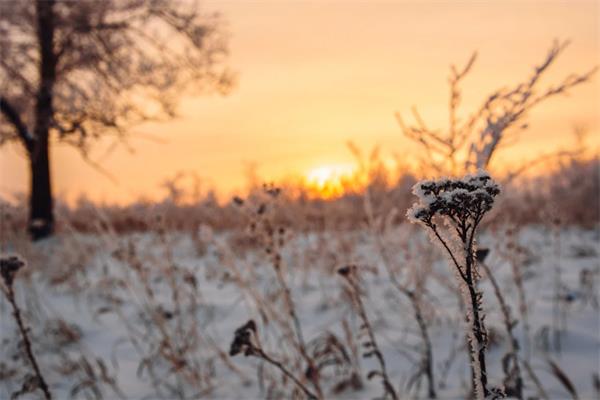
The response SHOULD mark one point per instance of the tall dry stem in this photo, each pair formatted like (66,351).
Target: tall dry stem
(350,275)
(9,266)
(461,205)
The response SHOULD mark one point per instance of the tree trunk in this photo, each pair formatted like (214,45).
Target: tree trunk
(41,218)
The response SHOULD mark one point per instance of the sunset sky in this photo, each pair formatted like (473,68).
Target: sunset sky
(313,75)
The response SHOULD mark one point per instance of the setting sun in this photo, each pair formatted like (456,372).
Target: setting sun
(328,181)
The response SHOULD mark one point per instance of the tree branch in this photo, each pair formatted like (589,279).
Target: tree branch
(15,119)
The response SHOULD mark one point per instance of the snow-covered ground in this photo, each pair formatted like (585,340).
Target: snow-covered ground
(153,315)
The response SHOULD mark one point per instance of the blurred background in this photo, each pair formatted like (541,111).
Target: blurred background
(310,76)
(212,176)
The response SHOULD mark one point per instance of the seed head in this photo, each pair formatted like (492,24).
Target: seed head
(462,198)
(242,339)
(347,270)
(9,265)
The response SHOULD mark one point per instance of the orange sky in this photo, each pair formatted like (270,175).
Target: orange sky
(313,75)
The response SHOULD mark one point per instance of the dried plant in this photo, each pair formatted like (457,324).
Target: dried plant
(513,382)
(514,253)
(246,341)
(558,311)
(9,266)
(461,205)
(350,275)
(329,354)
(471,143)
(273,238)
(174,348)
(563,378)
(413,291)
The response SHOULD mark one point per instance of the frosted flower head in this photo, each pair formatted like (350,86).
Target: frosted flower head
(457,198)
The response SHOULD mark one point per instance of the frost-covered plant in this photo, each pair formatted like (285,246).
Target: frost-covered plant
(470,142)
(460,204)
(9,266)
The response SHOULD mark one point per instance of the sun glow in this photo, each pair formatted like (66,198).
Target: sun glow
(329,181)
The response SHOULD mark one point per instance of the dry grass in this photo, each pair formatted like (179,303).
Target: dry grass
(570,189)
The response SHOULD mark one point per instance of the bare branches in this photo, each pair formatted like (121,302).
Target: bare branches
(471,145)
(555,156)
(116,63)
(457,137)
(441,148)
(507,108)
(13,116)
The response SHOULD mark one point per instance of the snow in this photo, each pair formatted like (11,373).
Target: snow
(469,196)
(98,284)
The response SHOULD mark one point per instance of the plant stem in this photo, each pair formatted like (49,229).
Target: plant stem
(513,343)
(264,356)
(387,386)
(23,330)
(427,353)
(479,334)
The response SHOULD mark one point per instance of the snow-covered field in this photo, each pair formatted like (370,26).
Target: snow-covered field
(153,315)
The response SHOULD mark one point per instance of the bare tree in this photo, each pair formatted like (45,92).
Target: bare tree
(469,144)
(77,70)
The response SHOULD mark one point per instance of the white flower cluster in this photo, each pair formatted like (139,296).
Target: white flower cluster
(460,199)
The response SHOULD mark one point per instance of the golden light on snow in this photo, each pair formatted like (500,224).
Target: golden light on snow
(329,181)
